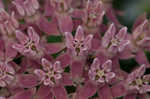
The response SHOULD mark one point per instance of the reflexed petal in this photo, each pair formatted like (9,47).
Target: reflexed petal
(141,70)
(107,66)
(46,64)
(2,83)
(140,19)
(144,89)
(108,35)
(105,92)
(10,52)
(142,59)
(88,90)
(40,74)
(57,66)
(19,8)
(14,21)
(109,76)
(79,36)
(27,80)
(95,64)
(139,29)
(10,69)
(35,4)
(8,78)
(118,90)
(20,48)
(145,42)
(122,33)
(33,35)
(123,44)
(59,92)
(23,39)
(88,41)
(69,40)
(43,92)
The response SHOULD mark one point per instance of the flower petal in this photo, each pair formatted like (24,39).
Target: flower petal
(107,66)
(121,90)
(40,74)
(27,80)
(109,76)
(79,36)
(122,33)
(108,35)
(2,83)
(88,42)
(69,40)
(142,59)
(43,92)
(59,92)
(23,39)
(88,90)
(33,35)
(46,64)
(105,92)
(96,64)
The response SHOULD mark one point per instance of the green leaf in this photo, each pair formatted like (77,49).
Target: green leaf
(18,60)
(70,89)
(55,55)
(54,39)
(128,65)
(94,96)
(147,53)
(67,69)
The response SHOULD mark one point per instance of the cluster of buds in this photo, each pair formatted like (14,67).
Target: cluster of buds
(69,53)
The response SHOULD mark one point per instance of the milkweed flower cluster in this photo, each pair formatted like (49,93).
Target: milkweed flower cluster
(61,49)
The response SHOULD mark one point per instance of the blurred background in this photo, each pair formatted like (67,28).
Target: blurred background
(131,9)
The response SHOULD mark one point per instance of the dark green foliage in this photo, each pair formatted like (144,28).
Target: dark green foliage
(18,60)
(67,69)
(94,96)
(70,89)
(128,65)
(54,39)
(147,53)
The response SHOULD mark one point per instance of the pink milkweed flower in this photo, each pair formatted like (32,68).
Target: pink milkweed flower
(29,45)
(51,73)
(26,7)
(94,13)
(115,43)
(61,5)
(140,35)
(137,81)
(79,44)
(6,74)
(53,79)
(101,73)
(8,23)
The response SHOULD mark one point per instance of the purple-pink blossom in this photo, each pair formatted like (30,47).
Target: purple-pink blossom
(79,44)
